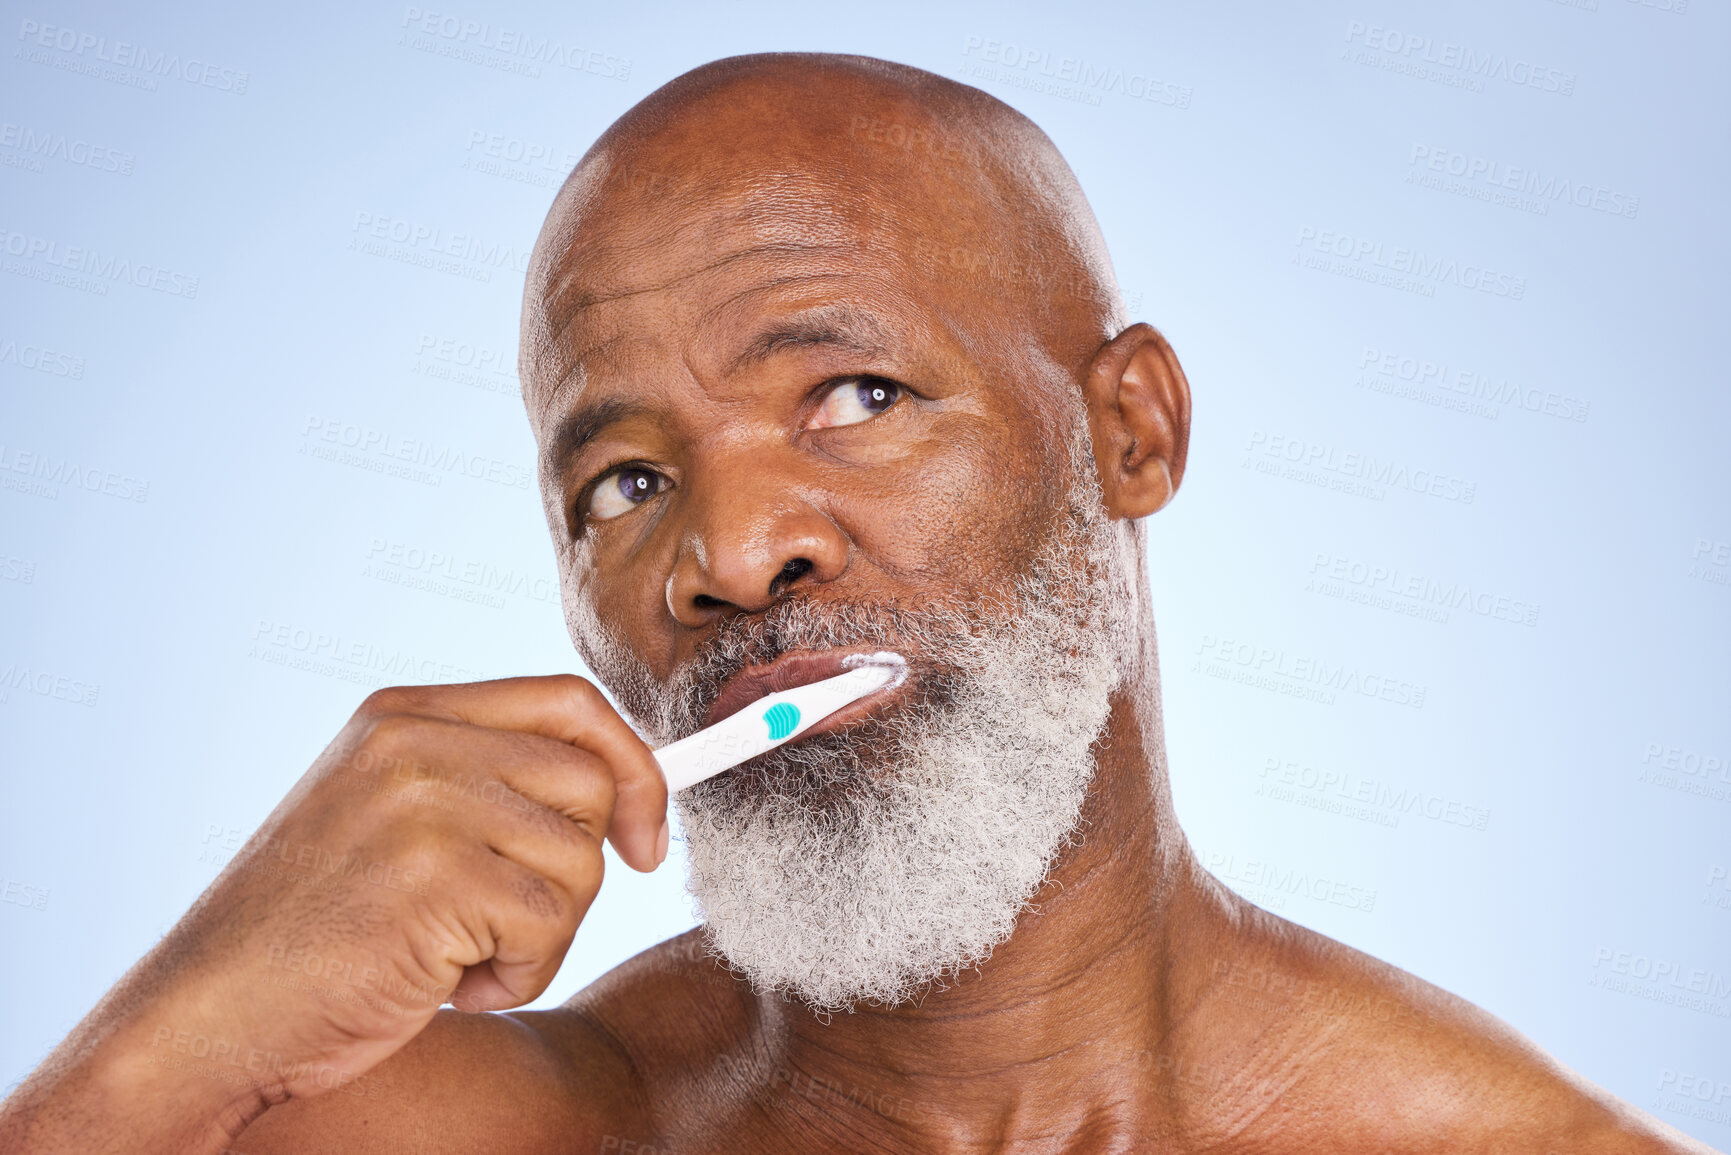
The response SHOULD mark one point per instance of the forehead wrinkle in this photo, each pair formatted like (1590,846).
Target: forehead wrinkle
(574,379)
(841,324)
(574,265)
(838,326)
(573,271)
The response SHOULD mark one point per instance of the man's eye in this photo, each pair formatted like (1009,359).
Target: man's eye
(855,400)
(622,491)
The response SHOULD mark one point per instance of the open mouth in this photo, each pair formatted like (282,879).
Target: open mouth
(802,668)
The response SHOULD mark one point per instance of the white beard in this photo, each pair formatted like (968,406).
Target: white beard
(865,865)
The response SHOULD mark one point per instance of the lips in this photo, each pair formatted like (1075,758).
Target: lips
(800,668)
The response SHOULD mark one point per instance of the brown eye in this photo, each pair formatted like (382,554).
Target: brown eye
(622,491)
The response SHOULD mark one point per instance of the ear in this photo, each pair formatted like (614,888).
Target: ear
(1139,417)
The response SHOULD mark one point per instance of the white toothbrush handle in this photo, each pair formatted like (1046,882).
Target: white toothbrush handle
(752,731)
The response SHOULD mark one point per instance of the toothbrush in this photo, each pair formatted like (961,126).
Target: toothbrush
(774,719)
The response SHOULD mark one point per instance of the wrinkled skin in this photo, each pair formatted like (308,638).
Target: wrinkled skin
(743,240)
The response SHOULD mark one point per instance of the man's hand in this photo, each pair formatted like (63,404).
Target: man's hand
(444,848)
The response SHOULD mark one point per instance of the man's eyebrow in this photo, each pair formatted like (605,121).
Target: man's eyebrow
(584,423)
(838,326)
(841,326)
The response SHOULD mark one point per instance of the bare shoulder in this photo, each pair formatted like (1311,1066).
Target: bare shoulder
(1354,1054)
(466,1083)
(684,1027)
(572,1078)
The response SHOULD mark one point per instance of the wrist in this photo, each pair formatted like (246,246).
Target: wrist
(119,1093)
(198,1081)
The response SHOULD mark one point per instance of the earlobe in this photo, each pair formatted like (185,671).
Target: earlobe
(1139,416)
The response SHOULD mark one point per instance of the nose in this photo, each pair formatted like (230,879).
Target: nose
(750,539)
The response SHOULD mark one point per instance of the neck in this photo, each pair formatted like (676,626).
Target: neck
(1066,1018)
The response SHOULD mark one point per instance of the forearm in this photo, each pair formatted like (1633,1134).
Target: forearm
(133,1087)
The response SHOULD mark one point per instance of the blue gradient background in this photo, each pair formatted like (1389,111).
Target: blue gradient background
(117,814)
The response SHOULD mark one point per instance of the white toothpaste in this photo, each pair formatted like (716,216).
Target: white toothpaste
(774,719)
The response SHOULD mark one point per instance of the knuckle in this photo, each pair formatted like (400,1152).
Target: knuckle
(393,733)
(390,700)
(606,789)
(584,881)
(544,901)
(422,839)
(651,788)
(579,692)
(576,820)
(595,812)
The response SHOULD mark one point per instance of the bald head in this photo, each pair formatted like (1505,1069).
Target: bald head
(943,185)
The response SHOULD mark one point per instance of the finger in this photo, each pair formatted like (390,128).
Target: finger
(526,925)
(480,990)
(567,709)
(540,803)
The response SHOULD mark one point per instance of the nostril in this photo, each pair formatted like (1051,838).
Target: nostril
(790,573)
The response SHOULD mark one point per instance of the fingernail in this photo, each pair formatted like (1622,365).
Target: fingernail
(661,842)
